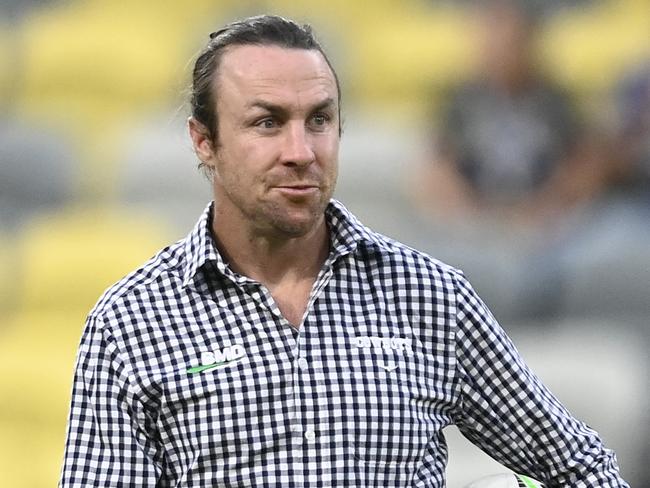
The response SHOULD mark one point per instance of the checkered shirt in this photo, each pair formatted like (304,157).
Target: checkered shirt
(394,347)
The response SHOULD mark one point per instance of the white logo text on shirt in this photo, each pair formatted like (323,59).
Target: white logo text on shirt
(385,343)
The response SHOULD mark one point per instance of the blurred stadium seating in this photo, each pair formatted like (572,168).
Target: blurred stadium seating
(68,258)
(8,274)
(96,174)
(161,154)
(5,57)
(52,158)
(588,49)
(36,363)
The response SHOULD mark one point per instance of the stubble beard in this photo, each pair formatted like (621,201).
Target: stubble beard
(270,215)
(281,223)
(278,219)
(285,219)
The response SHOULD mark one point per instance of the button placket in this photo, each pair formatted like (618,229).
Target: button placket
(303,394)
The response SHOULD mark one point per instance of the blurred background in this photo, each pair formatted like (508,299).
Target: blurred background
(511,140)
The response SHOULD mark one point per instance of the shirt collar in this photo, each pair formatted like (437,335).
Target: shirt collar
(199,247)
(346,233)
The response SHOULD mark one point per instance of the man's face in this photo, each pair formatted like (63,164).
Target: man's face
(276,160)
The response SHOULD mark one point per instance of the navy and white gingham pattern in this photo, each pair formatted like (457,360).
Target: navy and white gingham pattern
(395,346)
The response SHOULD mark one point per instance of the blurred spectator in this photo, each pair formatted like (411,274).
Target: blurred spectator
(509,141)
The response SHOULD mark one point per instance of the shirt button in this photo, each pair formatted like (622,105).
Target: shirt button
(302,363)
(310,435)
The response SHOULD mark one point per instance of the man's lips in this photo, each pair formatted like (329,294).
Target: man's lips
(295,190)
(297,186)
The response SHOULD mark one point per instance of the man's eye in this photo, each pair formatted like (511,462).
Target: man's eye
(320,119)
(267,123)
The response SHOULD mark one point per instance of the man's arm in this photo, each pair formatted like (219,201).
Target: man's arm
(508,413)
(107,442)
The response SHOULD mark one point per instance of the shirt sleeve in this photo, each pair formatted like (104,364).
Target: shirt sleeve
(109,439)
(507,412)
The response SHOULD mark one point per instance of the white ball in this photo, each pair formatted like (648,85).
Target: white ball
(509,480)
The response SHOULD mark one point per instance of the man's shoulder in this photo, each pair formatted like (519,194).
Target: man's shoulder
(412,260)
(385,250)
(166,265)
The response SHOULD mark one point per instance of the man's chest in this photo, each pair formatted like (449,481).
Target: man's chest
(237,387)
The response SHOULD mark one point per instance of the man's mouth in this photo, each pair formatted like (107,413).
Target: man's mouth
(297,191)
(297,187)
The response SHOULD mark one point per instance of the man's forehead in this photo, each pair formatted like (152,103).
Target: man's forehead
(268,64)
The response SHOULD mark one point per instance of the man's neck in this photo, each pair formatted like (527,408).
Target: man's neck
(270,258)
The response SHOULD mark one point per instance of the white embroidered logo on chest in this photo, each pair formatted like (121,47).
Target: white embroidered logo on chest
(219,358)
(384,343)
(380,344)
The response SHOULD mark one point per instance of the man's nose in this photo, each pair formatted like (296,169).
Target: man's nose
(297,147)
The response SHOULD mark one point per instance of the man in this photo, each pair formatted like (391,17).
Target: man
(282,343)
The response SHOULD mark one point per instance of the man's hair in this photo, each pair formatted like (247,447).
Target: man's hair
(262,30)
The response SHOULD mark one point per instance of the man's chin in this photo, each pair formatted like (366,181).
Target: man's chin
(291,220)
(297,224)
(295,228)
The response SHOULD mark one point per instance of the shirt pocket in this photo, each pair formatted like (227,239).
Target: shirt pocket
(224,412)
(388,425)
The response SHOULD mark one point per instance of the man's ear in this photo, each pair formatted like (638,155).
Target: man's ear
(201,141)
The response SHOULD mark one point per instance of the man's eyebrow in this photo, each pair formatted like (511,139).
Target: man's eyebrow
(268,106)
(279,109)
(329,102)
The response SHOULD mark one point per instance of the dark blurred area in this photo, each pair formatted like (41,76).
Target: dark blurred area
(508,139)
